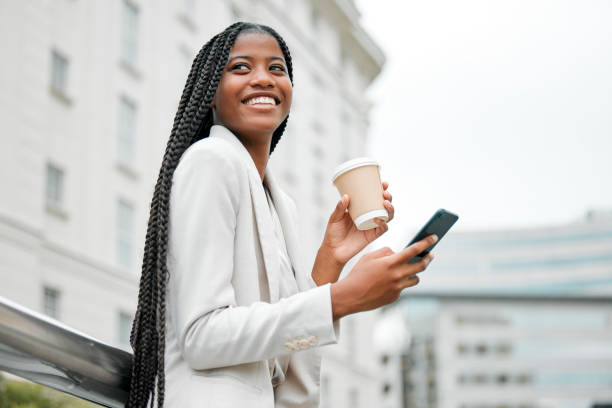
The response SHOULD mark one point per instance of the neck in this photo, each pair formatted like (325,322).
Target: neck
(259,151)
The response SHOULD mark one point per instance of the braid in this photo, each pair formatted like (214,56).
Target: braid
(283,46)
(192,122)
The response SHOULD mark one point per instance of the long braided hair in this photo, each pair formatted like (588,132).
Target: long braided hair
(192,122)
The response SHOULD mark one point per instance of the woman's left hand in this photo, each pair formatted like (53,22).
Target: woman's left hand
(342,238)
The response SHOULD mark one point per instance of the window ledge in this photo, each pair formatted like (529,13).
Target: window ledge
(56,210)
(130,69)
(61,96)
(187,21)
(127,170)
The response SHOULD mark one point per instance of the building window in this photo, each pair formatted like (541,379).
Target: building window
(185,60)
(51,298)
(127,130)
(317,193)
(54,187)
(353,398)
(125,328)
(386,389)
(482,349)
(129,32)
(504,348)
(59,73)
(125,218)
(290,178)
(462,349)
(236,14)
(524,379)
(315,18)
(345,154)
(317,129)
(187,13)
(318,153)
(502,379)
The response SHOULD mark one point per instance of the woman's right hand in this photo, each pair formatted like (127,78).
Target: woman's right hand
(378,278)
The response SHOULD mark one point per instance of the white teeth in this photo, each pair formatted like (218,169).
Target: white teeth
(261,99)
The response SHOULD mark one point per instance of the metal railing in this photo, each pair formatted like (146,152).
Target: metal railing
(43,350)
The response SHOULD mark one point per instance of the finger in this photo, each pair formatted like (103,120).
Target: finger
(390,209)
(379,253)
(413,250)
(382,226)
(385,185)
(387,196)
(423,263)
(409,270)
(340,209)
(412,281)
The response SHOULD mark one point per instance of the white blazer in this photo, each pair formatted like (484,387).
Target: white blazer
(224,318)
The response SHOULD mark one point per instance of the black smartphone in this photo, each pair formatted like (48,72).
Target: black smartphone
(438,224)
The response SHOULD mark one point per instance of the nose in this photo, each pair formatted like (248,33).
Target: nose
(262,78)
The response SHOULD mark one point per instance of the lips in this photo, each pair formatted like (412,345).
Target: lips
(261,99)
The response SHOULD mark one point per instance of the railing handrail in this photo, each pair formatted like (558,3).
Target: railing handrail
(47,352)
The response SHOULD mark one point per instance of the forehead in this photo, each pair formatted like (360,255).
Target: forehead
(255,44)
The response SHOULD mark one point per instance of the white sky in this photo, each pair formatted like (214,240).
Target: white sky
(500,111)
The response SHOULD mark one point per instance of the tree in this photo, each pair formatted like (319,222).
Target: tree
(23,394)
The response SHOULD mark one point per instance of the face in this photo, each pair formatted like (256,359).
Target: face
(254,93)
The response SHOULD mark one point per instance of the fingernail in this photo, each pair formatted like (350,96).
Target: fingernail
(435,238)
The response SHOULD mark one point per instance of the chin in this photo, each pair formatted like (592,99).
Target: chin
(263,125)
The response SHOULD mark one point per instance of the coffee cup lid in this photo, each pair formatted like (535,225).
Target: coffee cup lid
(351,164)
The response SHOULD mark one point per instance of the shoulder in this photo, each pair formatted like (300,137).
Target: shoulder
(211,155)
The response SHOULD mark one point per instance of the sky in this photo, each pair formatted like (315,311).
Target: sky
(499,111)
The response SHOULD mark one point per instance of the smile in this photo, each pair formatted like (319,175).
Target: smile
(261,100)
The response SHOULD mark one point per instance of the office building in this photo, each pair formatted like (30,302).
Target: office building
(88,93)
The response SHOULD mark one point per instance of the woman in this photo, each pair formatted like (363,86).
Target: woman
(221,248)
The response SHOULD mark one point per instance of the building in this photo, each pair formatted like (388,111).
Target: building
(512,319)
(88,93)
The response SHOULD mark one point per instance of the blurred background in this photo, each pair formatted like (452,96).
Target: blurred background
(498,111)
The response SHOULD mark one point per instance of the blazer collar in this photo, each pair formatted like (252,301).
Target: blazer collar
(265,226)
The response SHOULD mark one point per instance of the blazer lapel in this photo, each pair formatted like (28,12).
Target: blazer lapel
(288,222)
(261,211)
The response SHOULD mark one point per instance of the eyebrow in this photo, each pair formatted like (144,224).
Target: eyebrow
(251,58)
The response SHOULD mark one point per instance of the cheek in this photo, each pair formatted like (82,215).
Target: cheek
(223,101)
(288,91)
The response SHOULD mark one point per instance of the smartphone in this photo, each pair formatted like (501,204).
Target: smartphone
(438,224)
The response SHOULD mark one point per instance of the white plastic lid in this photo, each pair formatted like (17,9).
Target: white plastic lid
(351,164)
(366,221)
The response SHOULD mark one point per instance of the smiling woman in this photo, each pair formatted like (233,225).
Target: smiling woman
(254,94)
(224,302)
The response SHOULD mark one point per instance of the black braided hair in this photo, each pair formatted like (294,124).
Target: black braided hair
(192,122)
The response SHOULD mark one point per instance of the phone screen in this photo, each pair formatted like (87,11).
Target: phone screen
(438,224)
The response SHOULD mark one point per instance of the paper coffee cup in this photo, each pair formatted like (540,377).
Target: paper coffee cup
(360,179)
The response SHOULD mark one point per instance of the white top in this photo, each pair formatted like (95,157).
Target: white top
(288,286)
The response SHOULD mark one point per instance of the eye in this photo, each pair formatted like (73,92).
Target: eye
(241,66)
(277,67)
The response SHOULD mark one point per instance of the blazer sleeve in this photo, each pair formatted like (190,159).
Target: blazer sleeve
(212,330)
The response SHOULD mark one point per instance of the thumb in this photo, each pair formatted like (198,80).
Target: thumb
(340,209)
